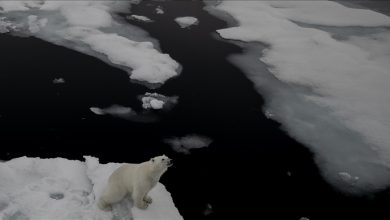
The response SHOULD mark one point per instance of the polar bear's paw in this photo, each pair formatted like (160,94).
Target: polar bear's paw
(148,199)
(142,205)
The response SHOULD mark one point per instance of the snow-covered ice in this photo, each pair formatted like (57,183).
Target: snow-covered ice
(94,28)
(157,101)
(140,18)
(185,22)
(331,94)
(187,143)
(46,189)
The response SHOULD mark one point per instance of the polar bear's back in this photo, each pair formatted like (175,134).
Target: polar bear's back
(125,176)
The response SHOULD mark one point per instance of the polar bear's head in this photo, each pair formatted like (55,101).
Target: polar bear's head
(161,162)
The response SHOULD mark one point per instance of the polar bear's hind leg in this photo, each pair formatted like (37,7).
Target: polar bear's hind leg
(112,194)
(104,205)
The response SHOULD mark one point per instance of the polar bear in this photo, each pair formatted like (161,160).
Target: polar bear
(135,180)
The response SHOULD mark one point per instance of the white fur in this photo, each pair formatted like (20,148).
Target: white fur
(135,180)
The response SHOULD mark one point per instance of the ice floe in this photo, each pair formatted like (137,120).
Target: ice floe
(330,94)
(94,28)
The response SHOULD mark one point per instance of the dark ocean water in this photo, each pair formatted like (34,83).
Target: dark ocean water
(244,172)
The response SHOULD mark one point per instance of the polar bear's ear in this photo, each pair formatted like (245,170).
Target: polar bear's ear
(152,160)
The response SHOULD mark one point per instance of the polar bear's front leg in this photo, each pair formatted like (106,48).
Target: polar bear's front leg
(138,198)
(148,199)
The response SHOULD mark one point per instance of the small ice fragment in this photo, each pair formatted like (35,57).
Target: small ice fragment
(139,18)
(185,22)
(58,80)
(186,143)
(159,10)
(157,101)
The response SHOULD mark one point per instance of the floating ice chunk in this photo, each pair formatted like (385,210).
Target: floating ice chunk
(159,10)
(304,218)
(157,101)
(186,143)
(140,18)
(125,113)
(114,110)
(185,22)
(152,102)
(97,110)
(58,80)
(147,63)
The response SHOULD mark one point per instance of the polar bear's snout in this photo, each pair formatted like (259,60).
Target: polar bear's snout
(169,162)
(166,161)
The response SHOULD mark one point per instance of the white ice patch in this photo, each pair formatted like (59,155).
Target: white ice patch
(94,28)
(140,18)
(330,94)
(58,80)
(61,189)
(187,143)
(157,101)
(185,22)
